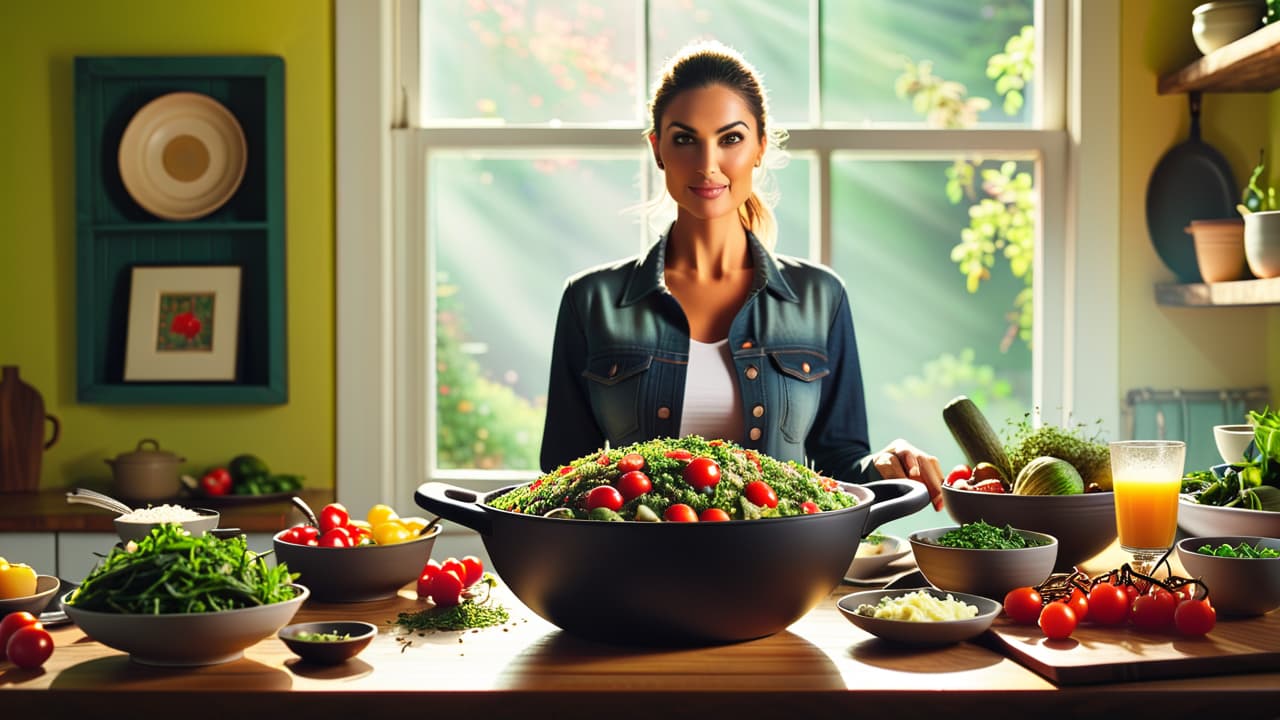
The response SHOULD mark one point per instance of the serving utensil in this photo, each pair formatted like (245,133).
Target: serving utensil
(81,496)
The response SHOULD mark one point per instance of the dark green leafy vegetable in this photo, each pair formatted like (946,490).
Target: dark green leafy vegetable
(1243,550)
(981,536)
(170,571)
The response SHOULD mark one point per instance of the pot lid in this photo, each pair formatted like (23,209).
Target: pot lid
(144,456)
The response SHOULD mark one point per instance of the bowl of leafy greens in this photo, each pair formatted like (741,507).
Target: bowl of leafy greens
(1241,498)
(1241,571)
(184,600)
(982,559)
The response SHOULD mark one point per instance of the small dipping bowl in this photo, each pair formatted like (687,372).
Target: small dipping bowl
(46,586)
(328,652)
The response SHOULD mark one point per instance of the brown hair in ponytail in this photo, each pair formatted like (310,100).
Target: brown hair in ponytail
(711,63)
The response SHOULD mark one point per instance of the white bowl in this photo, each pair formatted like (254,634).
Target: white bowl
(186,639)
(989,573)
(1216,24)
(1210,520)
(132,530)
(1262,243)
(941,632)
(46,586)
(866,565)
(1232,441)
(1237,586)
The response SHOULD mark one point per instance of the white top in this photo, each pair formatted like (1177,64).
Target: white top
(712,400)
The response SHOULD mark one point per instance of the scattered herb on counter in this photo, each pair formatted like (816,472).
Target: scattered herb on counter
(170,571)
(321,637)
(466,615)
(981,536)
(1243,550)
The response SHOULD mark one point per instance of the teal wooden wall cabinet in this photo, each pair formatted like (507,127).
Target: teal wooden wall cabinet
(114,233)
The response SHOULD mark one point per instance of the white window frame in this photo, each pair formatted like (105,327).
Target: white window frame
(385,330)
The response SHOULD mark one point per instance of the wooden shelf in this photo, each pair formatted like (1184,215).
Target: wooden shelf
(1250,64)
(1224,294)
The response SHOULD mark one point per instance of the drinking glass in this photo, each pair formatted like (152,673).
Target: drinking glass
(1146,476)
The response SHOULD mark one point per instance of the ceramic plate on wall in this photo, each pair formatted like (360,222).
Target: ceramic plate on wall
(182,156)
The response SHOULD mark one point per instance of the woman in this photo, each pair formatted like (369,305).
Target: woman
(708,332)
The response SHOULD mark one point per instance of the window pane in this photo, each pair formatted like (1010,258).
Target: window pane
(922,337)
(866,45)
(507,231)
(792,209)
(530,63)
(773,35)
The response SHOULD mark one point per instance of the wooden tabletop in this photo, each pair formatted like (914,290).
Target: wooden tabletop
(821,666)
(49,511)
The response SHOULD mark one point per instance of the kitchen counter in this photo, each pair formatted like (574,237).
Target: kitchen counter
(820,666)
(49,511)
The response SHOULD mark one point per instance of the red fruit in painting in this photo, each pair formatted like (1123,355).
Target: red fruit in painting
(185,324)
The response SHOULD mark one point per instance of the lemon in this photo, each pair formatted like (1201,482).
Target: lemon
(380,513)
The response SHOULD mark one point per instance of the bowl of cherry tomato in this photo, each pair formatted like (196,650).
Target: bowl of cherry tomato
(350,560)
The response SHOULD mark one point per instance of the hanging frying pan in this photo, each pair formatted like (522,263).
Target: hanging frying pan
(1191,182)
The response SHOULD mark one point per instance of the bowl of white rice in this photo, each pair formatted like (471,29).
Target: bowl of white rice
(139,523)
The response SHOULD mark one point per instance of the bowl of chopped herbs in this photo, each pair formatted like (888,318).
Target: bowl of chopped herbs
(983,559)
(329,642)
(1242,571)
(178,599)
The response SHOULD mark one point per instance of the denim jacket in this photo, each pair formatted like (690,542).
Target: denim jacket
(621,353)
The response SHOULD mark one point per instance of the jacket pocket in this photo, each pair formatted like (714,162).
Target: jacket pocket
(800,374)
(614,382)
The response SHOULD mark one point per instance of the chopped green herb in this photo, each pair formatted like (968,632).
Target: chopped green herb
(463,616)
(981,536)
(321,637)
(875,538)
(1243,550)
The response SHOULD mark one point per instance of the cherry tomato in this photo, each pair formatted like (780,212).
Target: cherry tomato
(474,568)
(809,507)
(605,496)
(455,566)
(424,578)
(630,463)
(1154,610)
(1108,604)
(1131,592)
(30,646)
(12,623)
(959,472)
(445,588)
(1186,592)
(1194,617)
(1023,604)
(1079,604)
(338,537)
(759,493)
(216,482)
(714,515)
(680,513)
(702,473)
(1057,620)
(633,484)
(334,515)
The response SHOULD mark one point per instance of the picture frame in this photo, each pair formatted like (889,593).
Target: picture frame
(183,323)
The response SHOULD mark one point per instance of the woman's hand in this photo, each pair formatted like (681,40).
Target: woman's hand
(901,459)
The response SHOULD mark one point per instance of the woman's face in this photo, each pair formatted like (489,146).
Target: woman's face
(708,142)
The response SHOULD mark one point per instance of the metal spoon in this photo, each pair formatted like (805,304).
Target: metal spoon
(306,510)
(89,497)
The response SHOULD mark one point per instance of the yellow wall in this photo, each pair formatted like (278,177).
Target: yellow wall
(37,225)
(1164,347)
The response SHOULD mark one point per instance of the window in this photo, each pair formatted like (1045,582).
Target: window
(928,167)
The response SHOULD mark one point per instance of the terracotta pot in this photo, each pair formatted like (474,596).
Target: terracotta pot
(146,474)
(1219,249)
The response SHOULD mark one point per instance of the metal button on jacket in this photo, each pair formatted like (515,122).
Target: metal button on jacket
(752,372)
(758,411)
(664,412)
(756,433)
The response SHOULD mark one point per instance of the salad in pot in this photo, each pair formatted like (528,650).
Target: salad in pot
(689,479)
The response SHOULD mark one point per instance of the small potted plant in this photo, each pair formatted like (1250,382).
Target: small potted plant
(1261,224)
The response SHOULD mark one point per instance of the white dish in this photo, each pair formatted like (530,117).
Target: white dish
(942,632)
(46,586)
(1208,520)
(186,639)
(867,565)
(182,156)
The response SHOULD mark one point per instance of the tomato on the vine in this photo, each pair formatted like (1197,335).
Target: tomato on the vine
(1079,604)
(1195,617)
(445,588)
(456,567)
(1108,604)
(474,568)
(1057,620)
(1154,610)
(759,493)
(1023,604)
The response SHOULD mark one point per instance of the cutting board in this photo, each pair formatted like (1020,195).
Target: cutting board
(22,433)
(1100,654)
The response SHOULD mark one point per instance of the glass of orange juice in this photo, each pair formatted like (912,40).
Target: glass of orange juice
(1146,476)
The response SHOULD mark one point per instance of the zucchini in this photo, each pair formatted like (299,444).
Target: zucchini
(974,434)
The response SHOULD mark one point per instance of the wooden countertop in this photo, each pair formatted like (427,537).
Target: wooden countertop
(821,666)
(49,511)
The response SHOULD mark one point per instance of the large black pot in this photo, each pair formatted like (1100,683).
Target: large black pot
(673,583)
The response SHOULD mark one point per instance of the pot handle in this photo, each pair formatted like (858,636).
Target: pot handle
(895,499)
(453,503)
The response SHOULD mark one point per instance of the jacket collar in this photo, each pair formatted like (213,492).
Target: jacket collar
(647,274)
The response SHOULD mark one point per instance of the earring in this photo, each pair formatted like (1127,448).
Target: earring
(661,166)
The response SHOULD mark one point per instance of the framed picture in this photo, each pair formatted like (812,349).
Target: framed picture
(183,323)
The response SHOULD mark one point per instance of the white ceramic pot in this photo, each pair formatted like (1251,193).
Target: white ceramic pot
(1216,24)
(1262,243)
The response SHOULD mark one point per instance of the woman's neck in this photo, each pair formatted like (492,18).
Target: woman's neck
(708,249)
